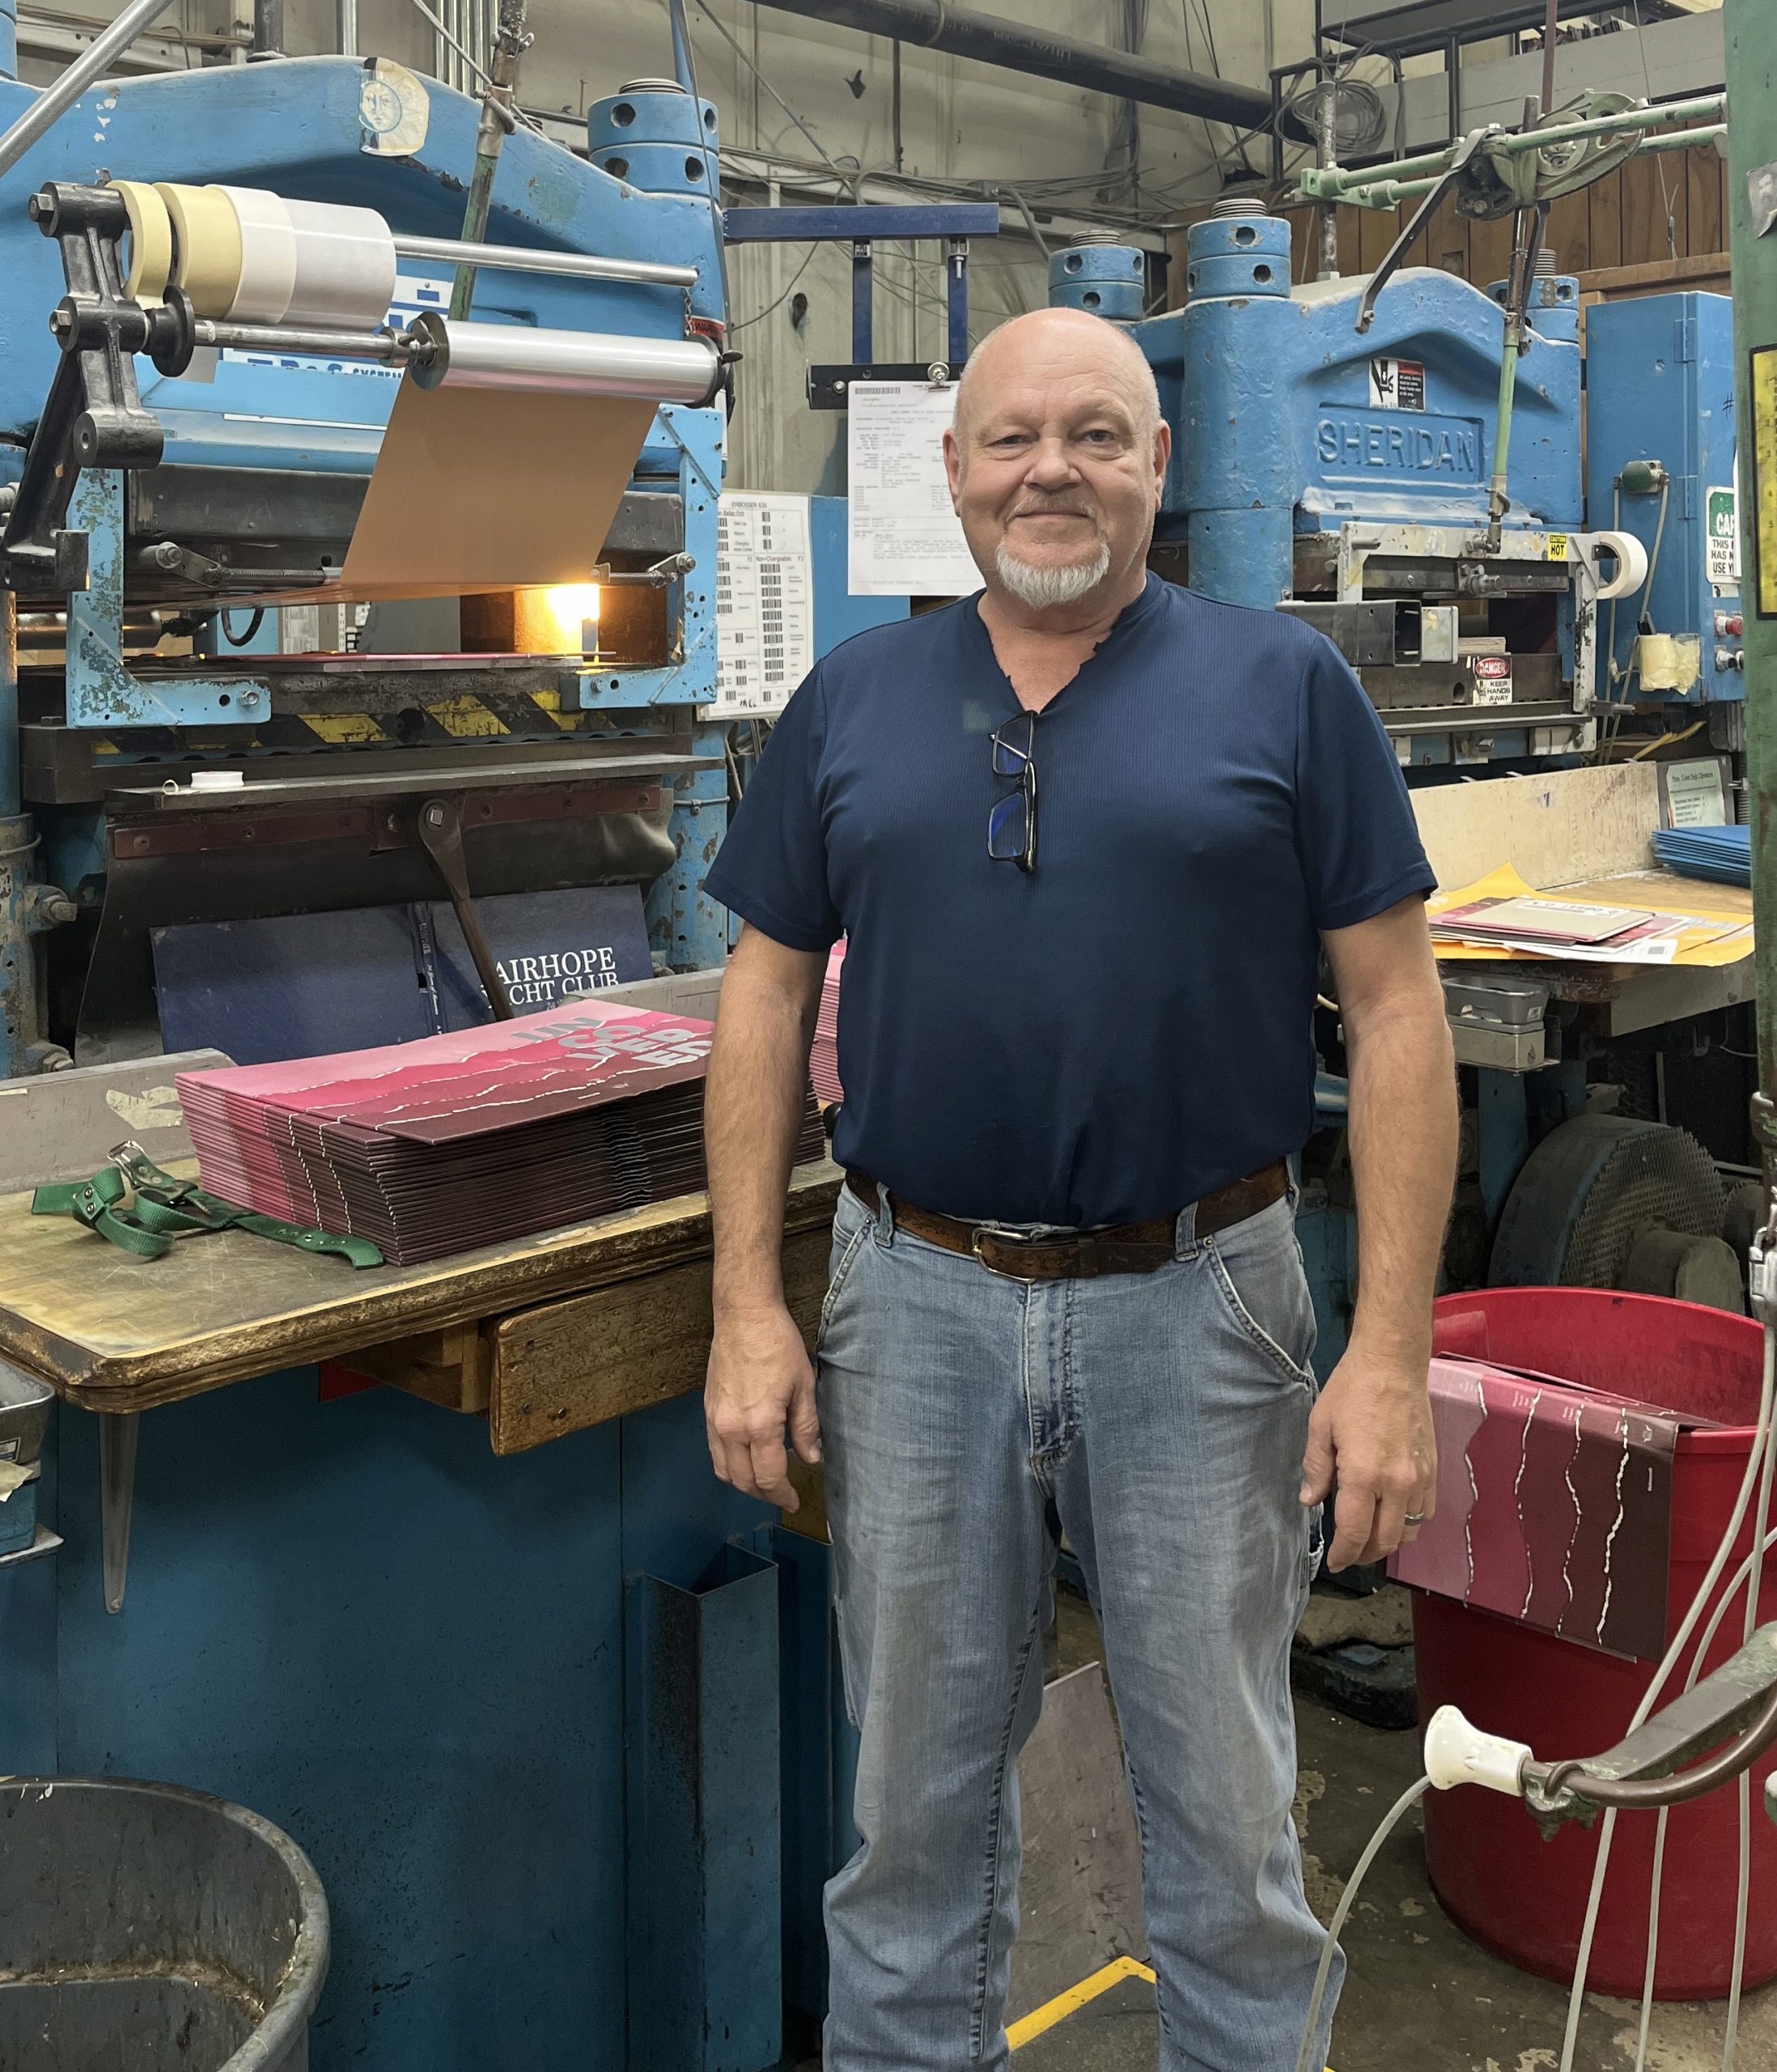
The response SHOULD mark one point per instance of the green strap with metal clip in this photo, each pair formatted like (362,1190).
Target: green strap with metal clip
(97,1203)
(164,1208)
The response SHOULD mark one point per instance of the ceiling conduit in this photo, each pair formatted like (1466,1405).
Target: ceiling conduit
(992,40)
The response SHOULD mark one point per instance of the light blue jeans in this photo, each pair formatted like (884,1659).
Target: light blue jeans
(1158,1420)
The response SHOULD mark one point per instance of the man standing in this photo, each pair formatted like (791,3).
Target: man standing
(1087,834)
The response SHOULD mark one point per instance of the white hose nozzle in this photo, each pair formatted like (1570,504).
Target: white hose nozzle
(1457,1753)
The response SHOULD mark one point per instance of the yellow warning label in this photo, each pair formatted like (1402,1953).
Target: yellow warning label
(467,718)
(1764,400)
(343,729)
(1555,547)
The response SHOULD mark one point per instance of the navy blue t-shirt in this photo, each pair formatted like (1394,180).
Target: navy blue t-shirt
(1130,1026)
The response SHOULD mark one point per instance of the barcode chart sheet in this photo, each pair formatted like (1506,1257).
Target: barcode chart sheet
(765,604)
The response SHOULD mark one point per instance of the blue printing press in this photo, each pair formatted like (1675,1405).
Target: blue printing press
(1343,475)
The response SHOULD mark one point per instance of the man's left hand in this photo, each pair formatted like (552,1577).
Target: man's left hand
(1371,1433)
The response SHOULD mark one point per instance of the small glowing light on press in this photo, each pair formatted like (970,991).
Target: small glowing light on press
(570,607)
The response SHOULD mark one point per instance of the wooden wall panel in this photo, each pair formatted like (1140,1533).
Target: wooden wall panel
(1446,240)
(1569,234)
(1653,210)
(1606,204)
(1377,229)
(1705,228)
(1489,251)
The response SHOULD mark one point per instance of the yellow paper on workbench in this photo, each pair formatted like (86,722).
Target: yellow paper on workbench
(1716,937)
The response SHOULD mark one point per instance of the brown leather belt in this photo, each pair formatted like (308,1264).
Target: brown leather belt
(1115,1248)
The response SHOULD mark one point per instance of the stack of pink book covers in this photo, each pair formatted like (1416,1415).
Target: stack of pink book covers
(470,1138)
(823,1058)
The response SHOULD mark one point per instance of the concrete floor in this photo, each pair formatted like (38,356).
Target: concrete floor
(1420,1995)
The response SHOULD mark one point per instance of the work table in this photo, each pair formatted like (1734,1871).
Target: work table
(543,1335)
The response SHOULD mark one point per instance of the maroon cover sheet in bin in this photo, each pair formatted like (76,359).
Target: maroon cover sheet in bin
(1555,1507)
(468,1138)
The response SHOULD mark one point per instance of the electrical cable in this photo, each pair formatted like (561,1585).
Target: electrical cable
(1754,1584)
(1762,1543)
(733,43)
(1610,646)
(1304,2057)
(1641,619)
(1667,740)
(1659,157)
(1643,622)
(253,625)
(807,260)
(681,34)
(1755,1464)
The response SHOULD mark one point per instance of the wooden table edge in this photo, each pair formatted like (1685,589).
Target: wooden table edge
(149,1381)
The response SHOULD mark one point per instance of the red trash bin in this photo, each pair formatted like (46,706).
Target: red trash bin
(1525,1897)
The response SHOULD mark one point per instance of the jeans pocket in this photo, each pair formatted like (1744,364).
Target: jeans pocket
(1258,1267)
(851,1228)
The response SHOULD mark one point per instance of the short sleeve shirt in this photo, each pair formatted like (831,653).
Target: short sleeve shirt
(1130,1025)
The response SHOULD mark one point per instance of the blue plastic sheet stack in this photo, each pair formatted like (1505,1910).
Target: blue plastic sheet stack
(1721,854)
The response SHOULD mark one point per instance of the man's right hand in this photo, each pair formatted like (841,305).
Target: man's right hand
(760,1380)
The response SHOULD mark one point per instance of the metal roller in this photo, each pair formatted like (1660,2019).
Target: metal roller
(563,363)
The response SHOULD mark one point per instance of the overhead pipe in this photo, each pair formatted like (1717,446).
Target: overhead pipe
(992,40)
(55,99)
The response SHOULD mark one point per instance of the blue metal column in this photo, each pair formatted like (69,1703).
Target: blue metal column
(1236,463)
(860,303)
(1103,280)
(956,299)
(685,925)
(704,1960)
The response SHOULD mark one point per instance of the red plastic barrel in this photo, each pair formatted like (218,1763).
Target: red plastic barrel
(1525,1897)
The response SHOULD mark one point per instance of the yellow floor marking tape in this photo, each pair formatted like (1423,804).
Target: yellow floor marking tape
(1042,2020)
(1076,1996)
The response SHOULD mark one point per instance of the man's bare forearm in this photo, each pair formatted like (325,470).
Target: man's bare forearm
(752,1112)
(1403,1141)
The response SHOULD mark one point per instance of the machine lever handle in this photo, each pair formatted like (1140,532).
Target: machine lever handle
(438,831)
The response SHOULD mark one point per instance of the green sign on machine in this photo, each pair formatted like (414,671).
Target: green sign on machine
(1723,514)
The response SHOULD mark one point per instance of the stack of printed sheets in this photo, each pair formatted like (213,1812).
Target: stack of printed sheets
(470,1138)
(1643,917)
(1561,928)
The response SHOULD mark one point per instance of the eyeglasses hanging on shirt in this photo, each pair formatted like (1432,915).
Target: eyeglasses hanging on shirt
(1011,821)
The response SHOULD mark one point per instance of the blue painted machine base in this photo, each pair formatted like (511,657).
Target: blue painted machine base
(354,1619)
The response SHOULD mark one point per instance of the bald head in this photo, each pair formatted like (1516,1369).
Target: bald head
(1057,454)
(1057,340)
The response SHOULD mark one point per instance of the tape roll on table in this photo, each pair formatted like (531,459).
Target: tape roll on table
(268,256)
(344,267)
(206,246)
(1631,563)
(565,362)
(151,240)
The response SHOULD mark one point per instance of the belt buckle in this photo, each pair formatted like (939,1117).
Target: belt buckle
(1002,1235)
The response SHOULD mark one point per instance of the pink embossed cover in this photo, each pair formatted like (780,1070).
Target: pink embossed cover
(1554,1506)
